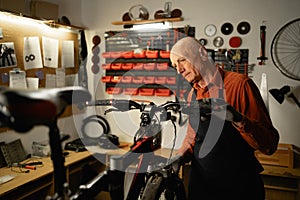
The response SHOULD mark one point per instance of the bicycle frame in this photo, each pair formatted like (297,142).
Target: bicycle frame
(146,141)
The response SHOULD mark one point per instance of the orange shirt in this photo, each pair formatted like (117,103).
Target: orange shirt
(242,94)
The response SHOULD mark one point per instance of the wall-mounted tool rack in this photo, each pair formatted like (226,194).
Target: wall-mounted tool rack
(137,61)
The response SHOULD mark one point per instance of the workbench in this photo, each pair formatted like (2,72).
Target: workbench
(37,184)
(281,182)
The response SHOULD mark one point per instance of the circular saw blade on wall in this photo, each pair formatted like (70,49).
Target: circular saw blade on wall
(243,28)
(227,28)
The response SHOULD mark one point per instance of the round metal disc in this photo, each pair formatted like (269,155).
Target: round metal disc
(243,28)
(218,41)
(210,30)
(226,28)
(203,41)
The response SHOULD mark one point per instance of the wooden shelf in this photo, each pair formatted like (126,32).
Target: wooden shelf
(148,21)
(51,23)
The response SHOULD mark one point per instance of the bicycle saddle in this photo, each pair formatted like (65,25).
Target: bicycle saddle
(23,109)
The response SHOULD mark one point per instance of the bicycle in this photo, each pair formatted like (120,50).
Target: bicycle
(155,176)
(16,113)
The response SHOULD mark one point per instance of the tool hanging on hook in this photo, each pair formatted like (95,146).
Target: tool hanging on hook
(262,57)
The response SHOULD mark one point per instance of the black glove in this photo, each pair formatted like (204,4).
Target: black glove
(217,107)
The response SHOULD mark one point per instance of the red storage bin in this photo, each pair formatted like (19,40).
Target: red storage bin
(162,66)
(115,79)
(106,54)
(149,79)
(127,54)
(116,54)
(127,66)
(116,66)
(131,91)
(160,80)
(152,54)
(162,92)
(113,90)
(138,66)
(106,66)
(137,79)
(164,54)
(141,54)
(149,66)
(126,79)
(146,91)
(171,80)
(106,79)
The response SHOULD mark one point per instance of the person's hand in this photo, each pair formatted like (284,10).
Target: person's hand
(232,115)
(177,161)
(209,106)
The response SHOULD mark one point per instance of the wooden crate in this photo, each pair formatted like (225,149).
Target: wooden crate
(286,155)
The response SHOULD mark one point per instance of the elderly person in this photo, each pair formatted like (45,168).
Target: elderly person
(221,146)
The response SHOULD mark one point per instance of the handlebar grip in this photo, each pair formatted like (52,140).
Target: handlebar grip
(121,105)
(108,102)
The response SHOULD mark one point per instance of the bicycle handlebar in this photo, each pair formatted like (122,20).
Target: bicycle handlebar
(126,105)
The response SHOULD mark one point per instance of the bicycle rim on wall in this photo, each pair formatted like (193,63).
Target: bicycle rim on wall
(285,49)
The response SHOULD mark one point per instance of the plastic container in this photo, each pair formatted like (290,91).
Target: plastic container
(146,91)
(127,54)
(126,79)
(131,91)
(149,66)
(152,54)
(149,79)
(127,66)
(106,54)
(162,92)
(141,54)
(116,54)
(162,66)
(106,66)
(160,80)
(137,79)
(115,79)
(106,79)
(116,66)
(138,66)
(164,54)
(113,90)
(171,80)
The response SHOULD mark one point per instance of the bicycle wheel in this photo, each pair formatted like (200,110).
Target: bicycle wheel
(285,49)
(163,188)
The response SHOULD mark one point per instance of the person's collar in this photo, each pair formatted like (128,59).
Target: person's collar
(216,81)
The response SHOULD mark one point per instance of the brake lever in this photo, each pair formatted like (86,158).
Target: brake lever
(110,110)
(4,116)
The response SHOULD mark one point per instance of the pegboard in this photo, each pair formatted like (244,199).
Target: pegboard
(137,62)
(14,32)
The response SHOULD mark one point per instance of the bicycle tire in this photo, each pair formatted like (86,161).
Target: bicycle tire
(285,49)
(164,188)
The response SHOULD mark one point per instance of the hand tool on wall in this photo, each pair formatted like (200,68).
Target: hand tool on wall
(262,57)
(82,74)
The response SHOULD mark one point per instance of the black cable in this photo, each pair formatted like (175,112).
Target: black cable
(174,141)
(95,118)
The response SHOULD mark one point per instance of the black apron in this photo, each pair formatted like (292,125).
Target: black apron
(229,171)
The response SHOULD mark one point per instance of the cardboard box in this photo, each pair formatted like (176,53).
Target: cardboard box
(16,6)
(44,10)
(287,155)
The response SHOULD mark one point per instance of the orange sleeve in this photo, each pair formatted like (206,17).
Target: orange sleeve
(188,143)
(257,129)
